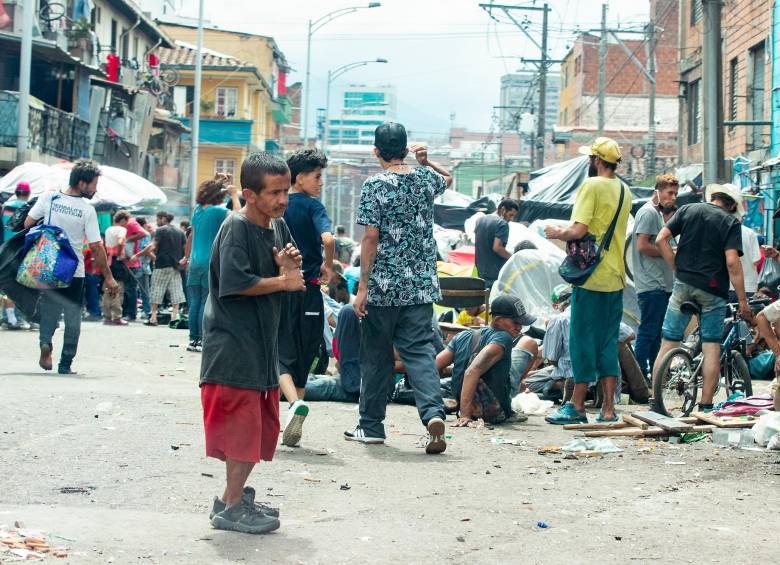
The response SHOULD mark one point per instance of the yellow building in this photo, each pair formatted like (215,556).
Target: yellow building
(243,94)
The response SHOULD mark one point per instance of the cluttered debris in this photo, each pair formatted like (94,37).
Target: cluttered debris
(20,543)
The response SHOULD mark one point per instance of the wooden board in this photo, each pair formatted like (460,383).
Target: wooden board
(635,422)
(663,422)
(596,426)
(725,422)
(653,431)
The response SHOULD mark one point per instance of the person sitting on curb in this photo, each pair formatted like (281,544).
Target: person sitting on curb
(766,321)
(481,357)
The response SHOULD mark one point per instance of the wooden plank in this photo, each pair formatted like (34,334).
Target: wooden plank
(635,422)
(638,432)
(596,426)
(663,422)
(724,422)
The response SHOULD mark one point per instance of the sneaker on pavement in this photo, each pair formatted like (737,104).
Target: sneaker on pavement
(359,435)
(436,442)
(567,414)
(193,345)
(249,499)
(245,519)
(518,416)
(293,428)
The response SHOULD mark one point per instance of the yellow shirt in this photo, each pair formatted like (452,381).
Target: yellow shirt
(465,319)
(595,206)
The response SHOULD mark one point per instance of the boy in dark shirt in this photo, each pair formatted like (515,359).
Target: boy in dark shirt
(300,334)
(253,263)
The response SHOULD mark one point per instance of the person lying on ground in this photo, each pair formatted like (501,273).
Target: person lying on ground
(482,357)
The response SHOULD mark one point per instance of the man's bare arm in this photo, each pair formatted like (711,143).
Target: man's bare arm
(573,232)
(481,364)
(664,247)
(368,249)
(645,247)
(500,249)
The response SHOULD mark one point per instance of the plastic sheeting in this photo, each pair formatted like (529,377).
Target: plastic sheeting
(116,187)
(454,216)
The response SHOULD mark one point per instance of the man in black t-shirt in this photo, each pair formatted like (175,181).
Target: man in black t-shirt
(709,246)
(491,235)
(253,264)
(168,247)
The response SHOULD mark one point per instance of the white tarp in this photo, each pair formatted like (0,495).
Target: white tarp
(115,186)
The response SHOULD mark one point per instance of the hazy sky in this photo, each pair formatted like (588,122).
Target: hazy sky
(445,56)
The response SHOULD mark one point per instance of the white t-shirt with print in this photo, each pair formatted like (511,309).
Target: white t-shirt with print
(751,254)
(75,215)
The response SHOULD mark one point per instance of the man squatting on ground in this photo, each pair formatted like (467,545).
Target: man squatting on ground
(252,265)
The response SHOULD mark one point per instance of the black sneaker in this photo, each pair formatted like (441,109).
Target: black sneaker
(245,519)
(193,346)
(359,435)
(436,442)
(249,499)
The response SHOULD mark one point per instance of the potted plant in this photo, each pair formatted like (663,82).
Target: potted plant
(206,107)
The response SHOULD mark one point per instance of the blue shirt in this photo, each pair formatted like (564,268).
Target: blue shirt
(497,377)
(308,220)
(401,207)
(205,223)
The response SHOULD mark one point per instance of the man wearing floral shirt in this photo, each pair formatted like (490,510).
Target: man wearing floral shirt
(398,285)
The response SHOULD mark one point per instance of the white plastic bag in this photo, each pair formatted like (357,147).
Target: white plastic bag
(767,427)
(530,404)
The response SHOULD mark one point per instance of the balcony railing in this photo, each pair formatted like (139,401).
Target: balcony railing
(52,131)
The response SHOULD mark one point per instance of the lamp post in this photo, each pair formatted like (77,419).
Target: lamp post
(313,27)
(333,75)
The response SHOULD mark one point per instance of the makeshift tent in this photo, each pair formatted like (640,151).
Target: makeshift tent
(116,187)
(452,213)
(552,191)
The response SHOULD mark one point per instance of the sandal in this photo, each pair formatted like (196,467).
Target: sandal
(150,323)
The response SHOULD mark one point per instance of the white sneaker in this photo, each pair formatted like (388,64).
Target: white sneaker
(293,428)
(359,435)
(436,442)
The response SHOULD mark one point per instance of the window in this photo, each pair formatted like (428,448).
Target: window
(227,99)
(694,112)
(125,46)
(577,65)
(733,70)
(696,12)
(114,34)
(227,166)
(756,93)
(566,117)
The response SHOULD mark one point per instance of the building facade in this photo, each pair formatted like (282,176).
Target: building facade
(361,108)
(626,94)
(747,78)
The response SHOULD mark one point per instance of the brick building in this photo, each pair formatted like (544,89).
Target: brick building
(290,133)
(626,95)
(746,71)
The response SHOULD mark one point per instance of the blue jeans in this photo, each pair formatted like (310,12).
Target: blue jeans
(652,308)
(409,328)
(56,303)
(197,293)
(321,388)
(92,294)
(713,313)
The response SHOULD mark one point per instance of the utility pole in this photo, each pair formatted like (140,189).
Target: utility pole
(602,70)
(651,141)
(542,64)
(712,81)
(196,111)
(25,65)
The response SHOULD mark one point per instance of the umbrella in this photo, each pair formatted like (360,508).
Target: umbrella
(116,187)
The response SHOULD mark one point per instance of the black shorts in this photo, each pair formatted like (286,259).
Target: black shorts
(300,332)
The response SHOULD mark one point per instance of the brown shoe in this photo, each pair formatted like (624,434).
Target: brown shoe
(45,360)
(436,442)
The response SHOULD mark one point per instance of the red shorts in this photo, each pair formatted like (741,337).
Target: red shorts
(240,424)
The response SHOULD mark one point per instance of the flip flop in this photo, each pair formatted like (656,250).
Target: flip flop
(150,323)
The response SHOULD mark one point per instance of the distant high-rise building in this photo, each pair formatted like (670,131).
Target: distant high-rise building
(520,95)
(360,110)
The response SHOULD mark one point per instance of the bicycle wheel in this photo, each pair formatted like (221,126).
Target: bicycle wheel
(738,375)
(169,76)
(674,386)
(52,12)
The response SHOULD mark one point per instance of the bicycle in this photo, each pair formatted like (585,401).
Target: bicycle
(158,81)
(678,379)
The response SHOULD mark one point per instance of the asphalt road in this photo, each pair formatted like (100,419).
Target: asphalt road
(127,431)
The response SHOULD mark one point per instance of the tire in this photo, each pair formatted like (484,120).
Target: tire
(52,12)
(169,77)
(738,376)
(628,257)
(674,389)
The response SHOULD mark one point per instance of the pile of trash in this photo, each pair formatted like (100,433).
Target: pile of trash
(20,543)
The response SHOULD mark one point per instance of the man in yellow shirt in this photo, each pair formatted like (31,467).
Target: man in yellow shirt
(597,305)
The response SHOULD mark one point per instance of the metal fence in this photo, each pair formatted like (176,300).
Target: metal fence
(52,131)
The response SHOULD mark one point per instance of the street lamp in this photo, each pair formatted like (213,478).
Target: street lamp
(314,26)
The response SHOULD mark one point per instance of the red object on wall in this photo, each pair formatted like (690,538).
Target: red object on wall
(463,255)
(154,61)
(282,86)
(112,67)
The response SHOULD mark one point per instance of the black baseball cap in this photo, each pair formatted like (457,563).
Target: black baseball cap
(511,306)
(390,136)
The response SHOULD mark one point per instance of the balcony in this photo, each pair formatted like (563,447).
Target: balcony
(282,110)
(52,132)
(223,131)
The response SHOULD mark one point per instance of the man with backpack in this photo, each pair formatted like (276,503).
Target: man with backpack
(70,211)
(601,209)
